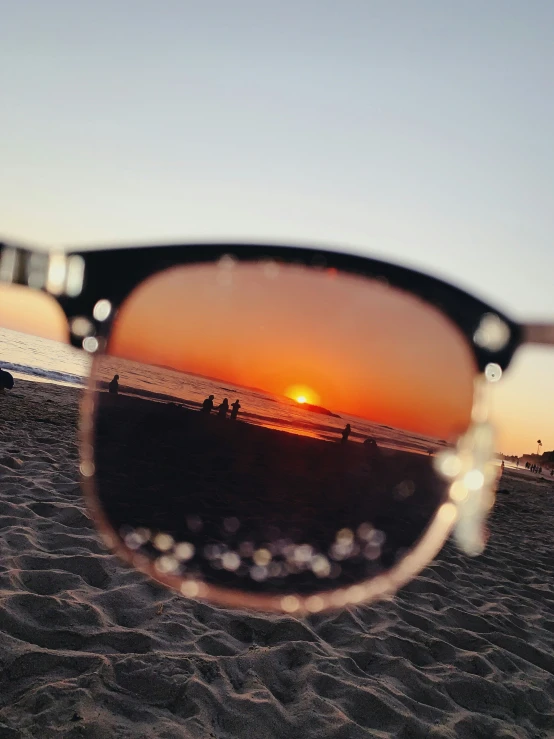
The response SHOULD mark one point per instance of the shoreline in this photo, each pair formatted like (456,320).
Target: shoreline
(313,429)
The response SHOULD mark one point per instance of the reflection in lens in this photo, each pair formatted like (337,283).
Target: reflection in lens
(272,430)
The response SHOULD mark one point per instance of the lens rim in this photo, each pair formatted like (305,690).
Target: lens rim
(464,311)
(111,274)
(365,592)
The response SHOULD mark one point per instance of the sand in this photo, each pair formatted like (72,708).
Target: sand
(89,648)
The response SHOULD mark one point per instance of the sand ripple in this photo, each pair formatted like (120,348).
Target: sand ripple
(91,649)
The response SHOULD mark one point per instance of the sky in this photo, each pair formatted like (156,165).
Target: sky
(416,132)
(356,347)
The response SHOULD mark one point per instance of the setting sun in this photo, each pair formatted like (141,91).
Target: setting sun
(302,394)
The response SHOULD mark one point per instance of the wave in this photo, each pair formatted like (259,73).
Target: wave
(52,375)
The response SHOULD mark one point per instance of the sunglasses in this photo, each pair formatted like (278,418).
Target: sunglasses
(277,428)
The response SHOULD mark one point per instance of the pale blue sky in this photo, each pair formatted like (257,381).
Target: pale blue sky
(418,131)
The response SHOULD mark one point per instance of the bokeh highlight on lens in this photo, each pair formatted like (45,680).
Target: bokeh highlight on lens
(270,428)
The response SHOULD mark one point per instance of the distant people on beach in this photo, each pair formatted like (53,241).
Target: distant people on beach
(223,409)
(113,387)
(208,404)
(502,465)
(6,381)
(345,433)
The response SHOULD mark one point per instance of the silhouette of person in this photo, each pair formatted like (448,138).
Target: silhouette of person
(114,385)
(223,408)
(6,381)
(208,404)
(372,450)
(502,465)
(345,433)
(234,413)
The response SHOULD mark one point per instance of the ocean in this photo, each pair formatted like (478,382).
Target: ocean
(41,360)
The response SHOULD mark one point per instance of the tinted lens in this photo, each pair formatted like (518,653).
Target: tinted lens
(271,428)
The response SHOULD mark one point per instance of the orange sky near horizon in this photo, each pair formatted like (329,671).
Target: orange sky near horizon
(363,348)
(32,312)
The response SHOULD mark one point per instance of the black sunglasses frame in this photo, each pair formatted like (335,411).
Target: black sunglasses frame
(90,286)
(112,274)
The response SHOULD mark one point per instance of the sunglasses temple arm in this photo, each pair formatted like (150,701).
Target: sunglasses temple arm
(538,333)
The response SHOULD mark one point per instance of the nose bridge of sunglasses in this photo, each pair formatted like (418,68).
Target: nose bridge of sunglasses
(87,332)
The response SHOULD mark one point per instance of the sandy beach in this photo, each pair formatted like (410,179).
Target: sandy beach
(89,648)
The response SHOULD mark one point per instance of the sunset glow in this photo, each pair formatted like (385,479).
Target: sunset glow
(371,351)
